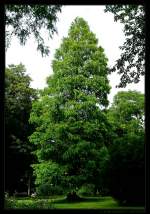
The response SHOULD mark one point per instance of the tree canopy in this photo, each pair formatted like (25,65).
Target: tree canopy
(71,127)
(126,164)
(18,98)
(131,64)
(23,21)
(127,111)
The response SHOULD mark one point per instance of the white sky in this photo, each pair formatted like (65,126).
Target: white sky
(109,33)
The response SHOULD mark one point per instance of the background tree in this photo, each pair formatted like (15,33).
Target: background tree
(131,64)
(71,127)
(24,20)
(126,164)
(127,112)
(18,98)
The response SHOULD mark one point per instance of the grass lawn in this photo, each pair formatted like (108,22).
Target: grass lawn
(61,203)
(89,203)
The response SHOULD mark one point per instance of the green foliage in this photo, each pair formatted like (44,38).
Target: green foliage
(131,64)
(12,203)
(71,125)
(24,20)
(49,176)
(125,168)
(18,98)
(18,93)
(87,190)
(127,112)
(49,190)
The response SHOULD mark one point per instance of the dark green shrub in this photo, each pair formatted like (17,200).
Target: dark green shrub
(48,190)
(86,190)
(103,192)
(13,203)
(126,170)
(9,203)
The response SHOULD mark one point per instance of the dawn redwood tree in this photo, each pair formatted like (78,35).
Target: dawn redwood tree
(72,130)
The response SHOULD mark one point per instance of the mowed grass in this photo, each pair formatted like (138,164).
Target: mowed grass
(62,203)
(87,203)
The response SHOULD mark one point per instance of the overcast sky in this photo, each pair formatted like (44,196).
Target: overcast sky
(109,33)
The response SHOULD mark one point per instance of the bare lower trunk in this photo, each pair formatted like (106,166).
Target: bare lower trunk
(72,196)
(29,186)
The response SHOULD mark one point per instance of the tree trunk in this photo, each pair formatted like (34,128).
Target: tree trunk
(72,196)
(29,186)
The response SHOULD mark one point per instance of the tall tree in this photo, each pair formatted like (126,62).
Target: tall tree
(72,129)
(24,20)
(18,98)
(131,64)
(126,163)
